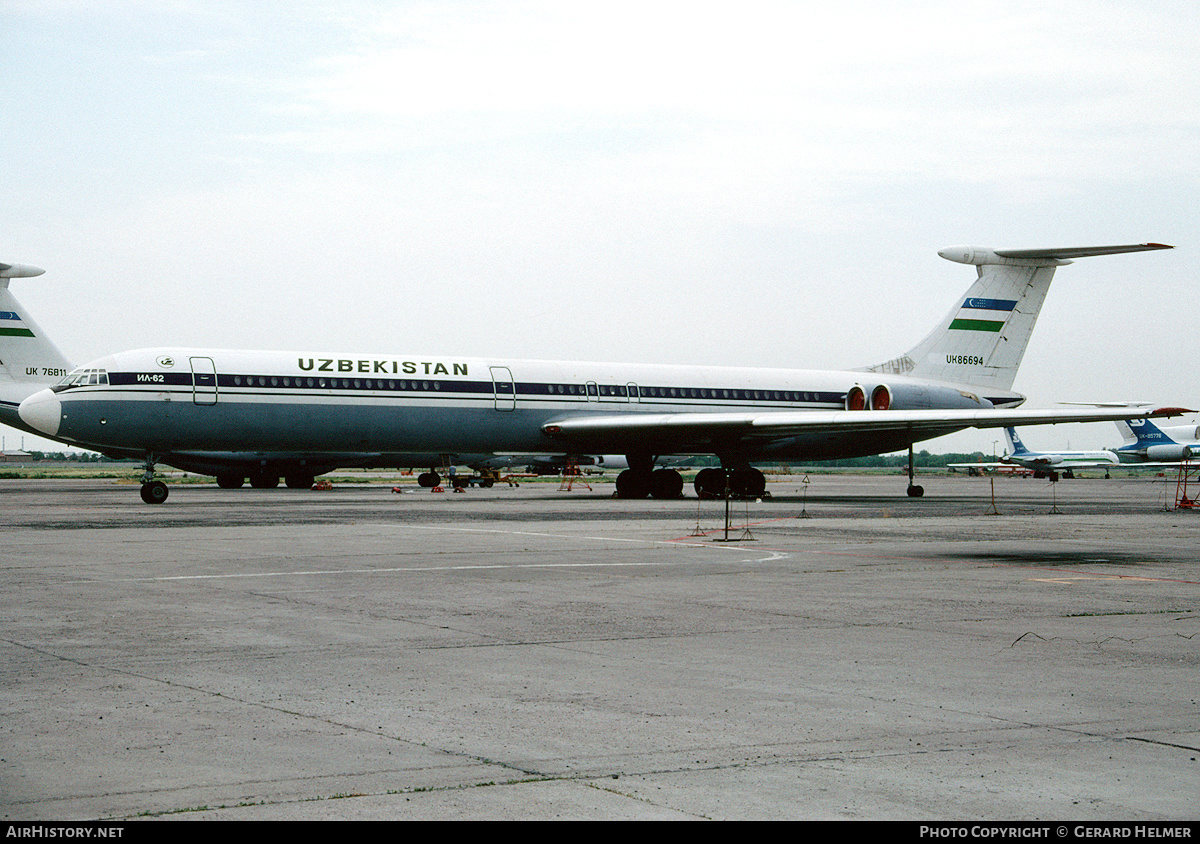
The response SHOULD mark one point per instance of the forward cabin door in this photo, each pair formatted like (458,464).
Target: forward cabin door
(204,381)
(504,389)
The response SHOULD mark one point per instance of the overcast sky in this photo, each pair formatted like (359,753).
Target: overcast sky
(749,183)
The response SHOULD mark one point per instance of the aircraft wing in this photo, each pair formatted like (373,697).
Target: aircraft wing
(1131,465)
(667,433)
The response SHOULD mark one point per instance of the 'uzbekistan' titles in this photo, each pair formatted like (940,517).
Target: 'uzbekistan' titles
(381,367)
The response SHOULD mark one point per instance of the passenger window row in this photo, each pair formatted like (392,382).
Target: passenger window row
(333,383)
(579,390)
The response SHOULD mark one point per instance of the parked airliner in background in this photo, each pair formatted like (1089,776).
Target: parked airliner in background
(1147,443)
(264,414)
(556,464)
(1044,463)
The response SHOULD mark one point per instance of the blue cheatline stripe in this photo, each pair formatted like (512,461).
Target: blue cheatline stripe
(608,393)
(990,304)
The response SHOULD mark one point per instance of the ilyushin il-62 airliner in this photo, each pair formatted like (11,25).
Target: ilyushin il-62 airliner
(264,414)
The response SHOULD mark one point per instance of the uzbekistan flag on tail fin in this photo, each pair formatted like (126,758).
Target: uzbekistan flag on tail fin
(983,315)
(12,326)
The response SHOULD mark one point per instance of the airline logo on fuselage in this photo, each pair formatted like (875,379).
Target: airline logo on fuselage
(381,367)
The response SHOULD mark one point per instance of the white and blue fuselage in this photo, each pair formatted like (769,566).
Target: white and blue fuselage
(167,401)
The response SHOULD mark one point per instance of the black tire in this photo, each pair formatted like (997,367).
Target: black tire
(747,483)
(154,492)
(666,483)
(631,484)
(230,481)
(299,481)
(710,483)
(916,491)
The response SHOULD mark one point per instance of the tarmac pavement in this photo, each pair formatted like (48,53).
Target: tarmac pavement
(534,653)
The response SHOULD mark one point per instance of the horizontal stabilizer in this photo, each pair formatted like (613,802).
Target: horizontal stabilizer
(1079,251)
(983,255)
(19,271)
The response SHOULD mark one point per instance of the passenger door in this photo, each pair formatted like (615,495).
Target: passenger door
(505,390)
(204,381)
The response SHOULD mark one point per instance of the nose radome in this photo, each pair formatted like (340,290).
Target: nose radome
(42,411)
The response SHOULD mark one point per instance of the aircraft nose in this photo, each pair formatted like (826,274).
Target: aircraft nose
(42,411)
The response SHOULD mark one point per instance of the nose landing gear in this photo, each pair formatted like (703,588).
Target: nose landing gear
(153,492)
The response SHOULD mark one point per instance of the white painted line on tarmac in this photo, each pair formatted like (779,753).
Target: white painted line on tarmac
(770,556)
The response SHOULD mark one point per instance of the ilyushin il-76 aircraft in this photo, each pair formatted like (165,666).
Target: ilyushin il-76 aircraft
(266,414)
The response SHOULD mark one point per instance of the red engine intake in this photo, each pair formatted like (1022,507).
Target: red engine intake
(881,398)
(856,399)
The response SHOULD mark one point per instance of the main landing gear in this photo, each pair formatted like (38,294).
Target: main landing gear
(740,483)
(641,479)
(658,483)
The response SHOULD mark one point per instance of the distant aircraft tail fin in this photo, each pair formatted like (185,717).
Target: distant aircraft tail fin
(1143,432)
(983,338)
(1127,433)
(26,355)
(1015,446)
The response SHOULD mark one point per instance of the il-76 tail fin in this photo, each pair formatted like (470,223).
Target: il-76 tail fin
(25,353)
(983,338)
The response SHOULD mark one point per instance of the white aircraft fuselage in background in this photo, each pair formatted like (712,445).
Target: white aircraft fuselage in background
(1042,463)
(1020,455)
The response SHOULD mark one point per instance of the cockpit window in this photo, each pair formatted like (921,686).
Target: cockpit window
(82,378)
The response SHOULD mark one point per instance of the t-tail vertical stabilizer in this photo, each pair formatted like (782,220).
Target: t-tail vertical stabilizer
(26,355)
(983,338)
(28,361)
